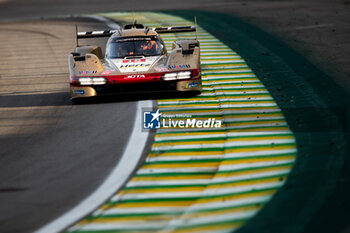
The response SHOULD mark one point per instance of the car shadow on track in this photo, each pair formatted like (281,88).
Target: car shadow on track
(35,100)
(133,97)
(62,99)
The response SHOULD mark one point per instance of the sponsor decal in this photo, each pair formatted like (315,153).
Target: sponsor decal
(192,85)
(155,120)
(136,76)
(151,120)
(134,60)
(134,65)
(184,66)
(87,72)
(107,72)
(79,92)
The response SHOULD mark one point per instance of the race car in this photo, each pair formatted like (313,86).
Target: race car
(136,60)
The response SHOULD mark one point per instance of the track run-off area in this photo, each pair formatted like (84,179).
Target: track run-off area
(209,179)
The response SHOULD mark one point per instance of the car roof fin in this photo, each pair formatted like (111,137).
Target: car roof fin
(146,30)
(135,25)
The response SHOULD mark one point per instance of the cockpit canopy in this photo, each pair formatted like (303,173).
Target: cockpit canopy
(121,47)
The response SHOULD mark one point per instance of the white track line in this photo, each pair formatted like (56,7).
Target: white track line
(113,182)
(143,210)
(269,142)
(161,138)
(220,156)
(214,180)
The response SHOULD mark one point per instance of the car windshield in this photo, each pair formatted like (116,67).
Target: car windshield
(135,46)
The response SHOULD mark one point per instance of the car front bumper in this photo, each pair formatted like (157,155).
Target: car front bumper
(147,87)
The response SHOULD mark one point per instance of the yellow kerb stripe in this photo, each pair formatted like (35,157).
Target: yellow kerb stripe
(157,144)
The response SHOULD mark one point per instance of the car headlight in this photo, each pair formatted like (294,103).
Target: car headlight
(184,75)
(92,81)
(177,75)
(169,76)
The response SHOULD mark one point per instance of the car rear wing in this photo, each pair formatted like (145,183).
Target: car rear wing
(107,33)
(95,34)
(175,29)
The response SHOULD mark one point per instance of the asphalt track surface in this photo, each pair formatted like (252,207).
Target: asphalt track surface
(53,154)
